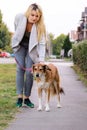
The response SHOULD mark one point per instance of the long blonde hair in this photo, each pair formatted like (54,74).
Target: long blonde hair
(41,30)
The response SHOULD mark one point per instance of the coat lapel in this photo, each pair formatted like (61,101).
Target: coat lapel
(33,38)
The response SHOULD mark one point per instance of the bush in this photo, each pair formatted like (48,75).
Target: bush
(80,55)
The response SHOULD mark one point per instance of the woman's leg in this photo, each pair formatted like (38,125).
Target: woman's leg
(29,77)
(28,82)
(20,57)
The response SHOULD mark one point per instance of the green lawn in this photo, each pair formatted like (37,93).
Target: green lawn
(7,94)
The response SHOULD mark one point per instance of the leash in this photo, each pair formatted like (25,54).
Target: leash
(23,68)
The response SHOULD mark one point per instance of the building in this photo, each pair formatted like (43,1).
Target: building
(73,36)
(82,28)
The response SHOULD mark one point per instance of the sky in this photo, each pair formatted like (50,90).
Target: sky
(60,16)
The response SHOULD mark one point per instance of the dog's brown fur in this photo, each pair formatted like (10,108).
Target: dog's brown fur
(47,78)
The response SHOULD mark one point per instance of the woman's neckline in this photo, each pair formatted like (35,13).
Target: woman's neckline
(29,27)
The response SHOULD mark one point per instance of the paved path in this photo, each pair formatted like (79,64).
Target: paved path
(72,115)
(7,60)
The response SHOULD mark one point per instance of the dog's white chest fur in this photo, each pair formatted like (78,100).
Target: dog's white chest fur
(43,84)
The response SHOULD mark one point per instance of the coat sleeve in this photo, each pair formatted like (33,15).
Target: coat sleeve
(42,49)
(20,25)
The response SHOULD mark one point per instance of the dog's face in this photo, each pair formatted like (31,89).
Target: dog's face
(39,69)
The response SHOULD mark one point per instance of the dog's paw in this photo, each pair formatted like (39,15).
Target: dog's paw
(59,106)
(47,109)
(39,108)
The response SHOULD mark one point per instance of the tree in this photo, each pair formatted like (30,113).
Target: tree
(0,17)
(58,43)
(67,45)
(5,37)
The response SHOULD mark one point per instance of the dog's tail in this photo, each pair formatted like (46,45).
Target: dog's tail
(54,91)
(62,90)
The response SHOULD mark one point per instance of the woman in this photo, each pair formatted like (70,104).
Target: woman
(28,43)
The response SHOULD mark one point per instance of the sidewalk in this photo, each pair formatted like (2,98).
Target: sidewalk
(72,115)
(7,60)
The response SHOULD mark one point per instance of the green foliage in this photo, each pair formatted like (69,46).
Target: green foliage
(80,55)
(51,36)
(67,45)
(5,37)
(8,49)
(0,17)
(58,43)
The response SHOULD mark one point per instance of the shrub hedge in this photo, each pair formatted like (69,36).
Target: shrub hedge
(80,55)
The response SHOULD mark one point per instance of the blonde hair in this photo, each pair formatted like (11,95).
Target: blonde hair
(40,24)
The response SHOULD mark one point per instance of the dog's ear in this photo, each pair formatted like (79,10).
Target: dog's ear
(45,67)
(33,67)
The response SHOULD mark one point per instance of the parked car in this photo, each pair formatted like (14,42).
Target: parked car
(5,54)
(70,53)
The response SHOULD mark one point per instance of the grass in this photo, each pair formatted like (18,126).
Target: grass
(7,94)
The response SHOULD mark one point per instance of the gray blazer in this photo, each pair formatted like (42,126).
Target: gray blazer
(36,50)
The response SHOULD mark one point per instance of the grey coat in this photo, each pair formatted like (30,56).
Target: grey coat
(36,50)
